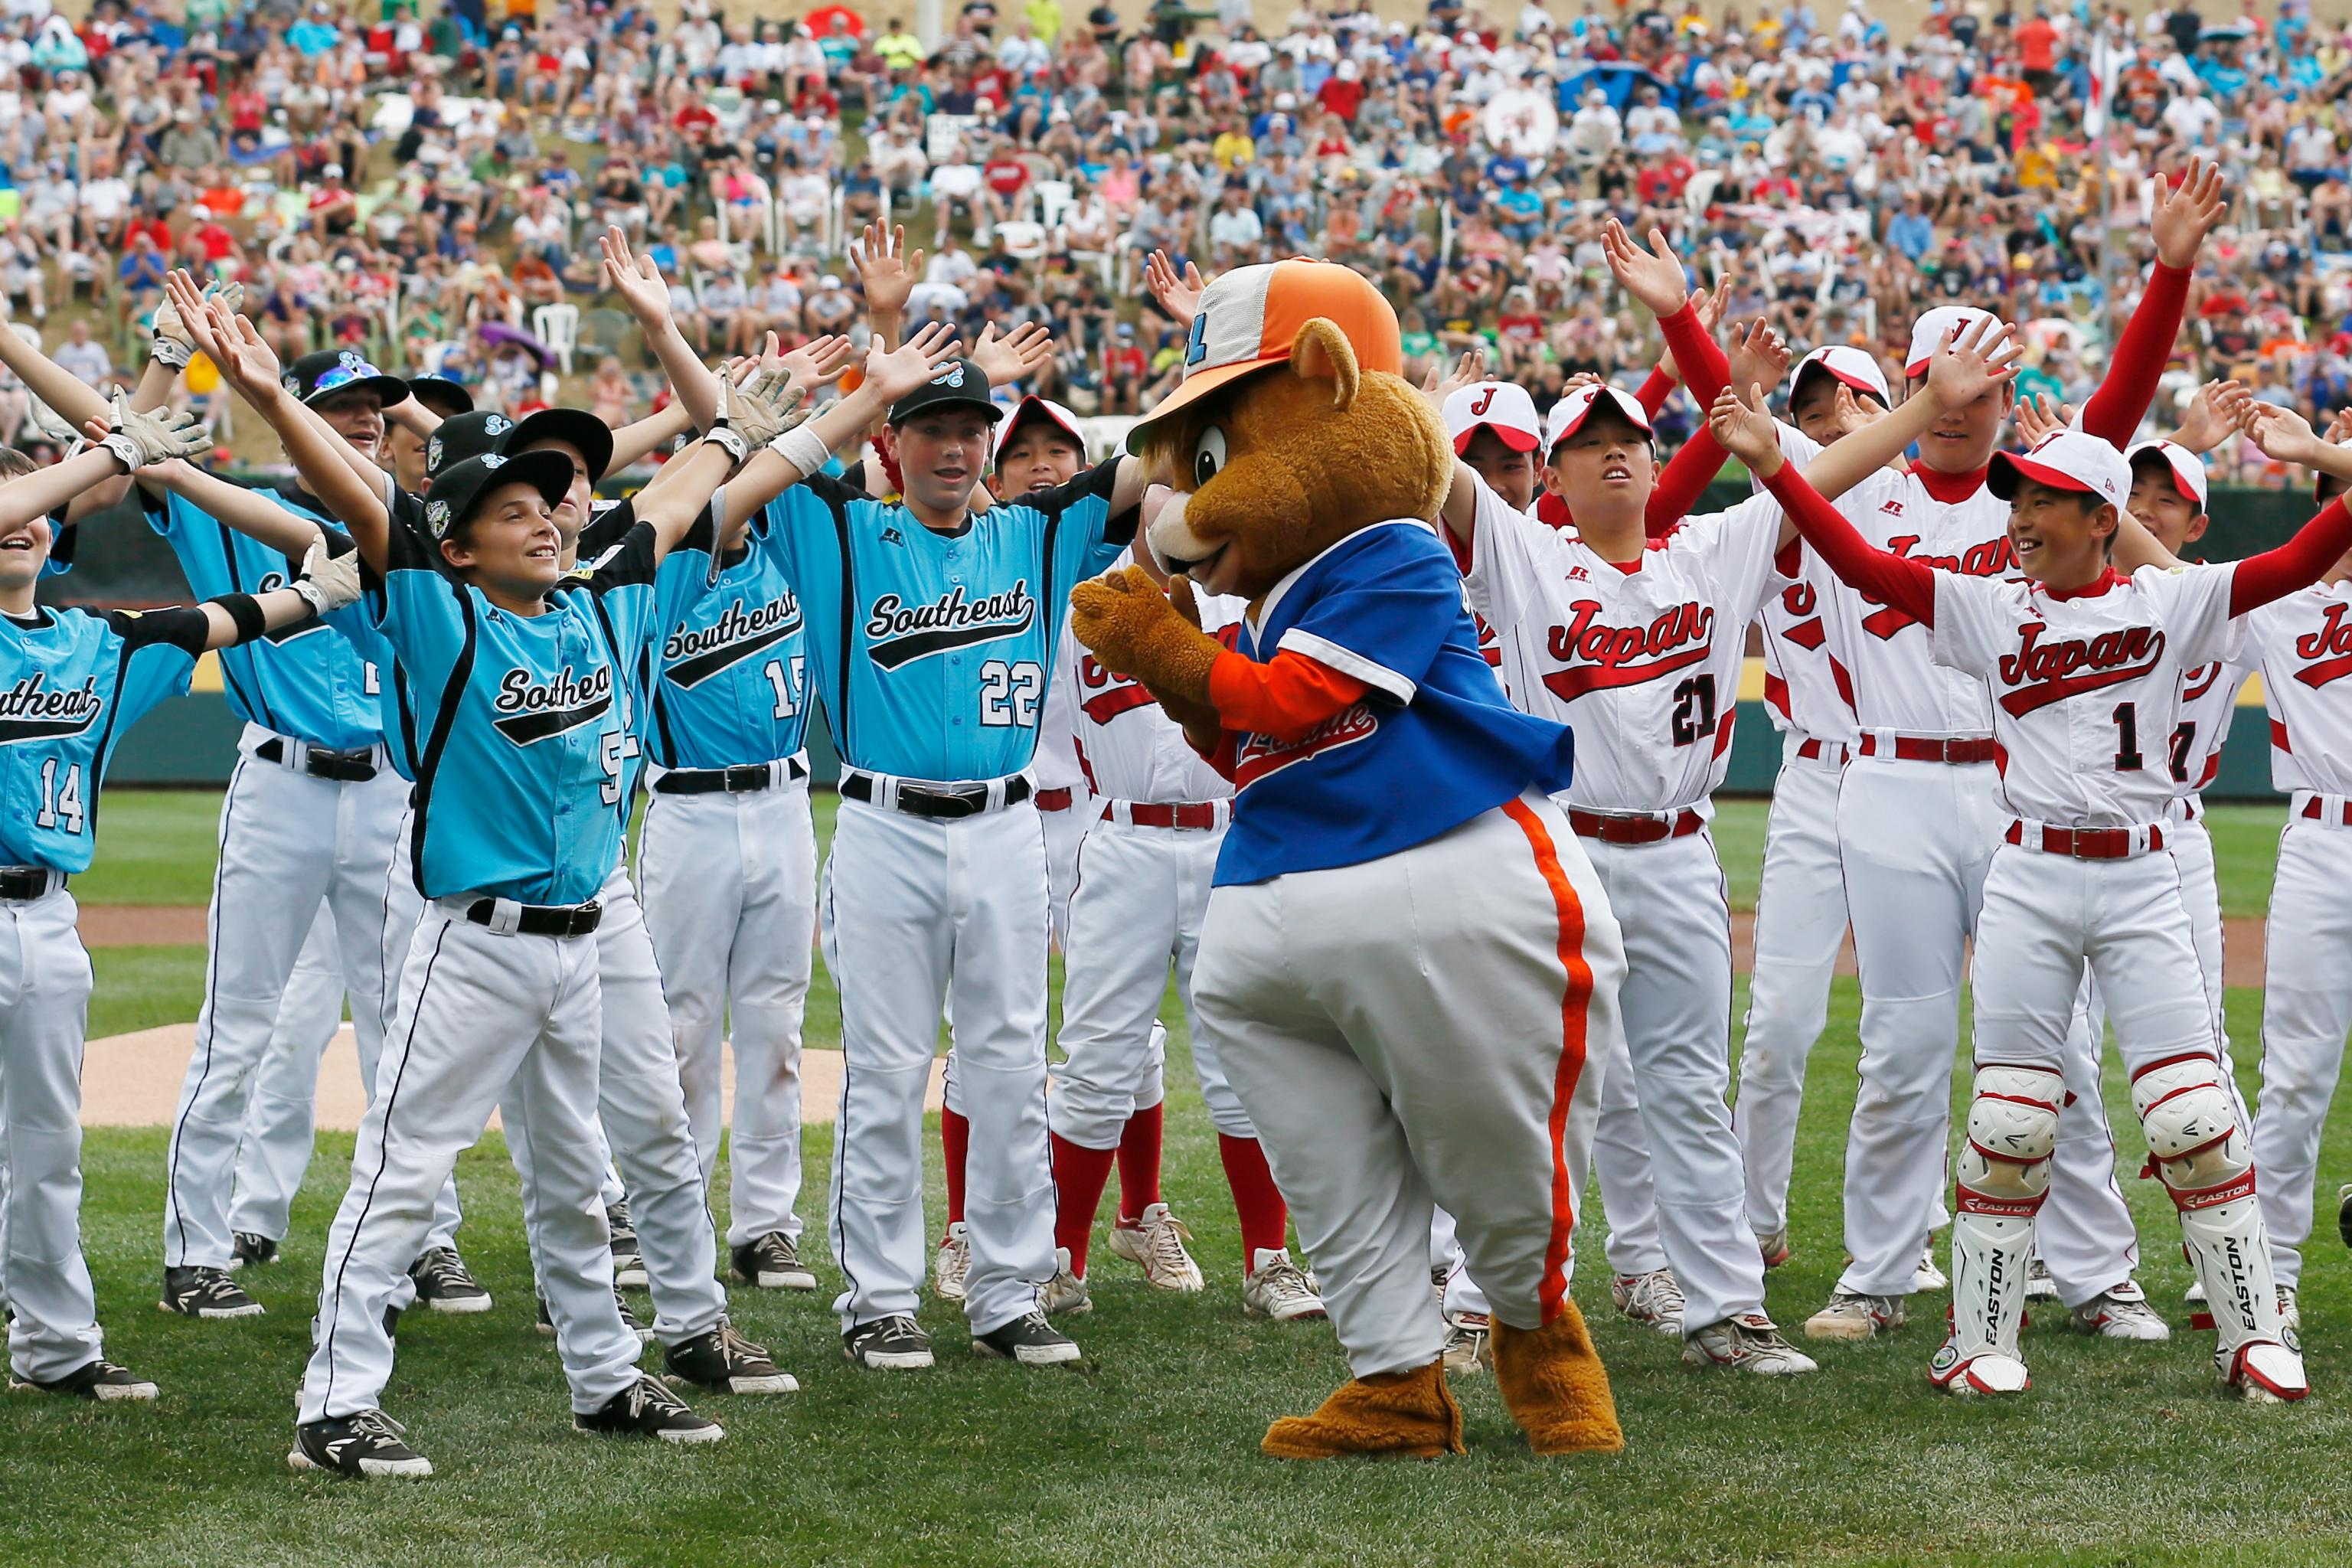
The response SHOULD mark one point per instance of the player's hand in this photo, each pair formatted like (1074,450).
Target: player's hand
(328,582)
(2185,214)
(1972,361)
(2339,429)
(1744,428)
(2284,436)
(2040,417)
(1016,356)
(636,279)
(140,439)
(1757,355)
(1180,297)
(762,408)
(1653,275)
(2212,416)
(890,376)
(886,271)
(820,362)
(1468,370)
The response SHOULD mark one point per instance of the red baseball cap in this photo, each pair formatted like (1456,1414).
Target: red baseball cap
(1569,414)
(2070,460)
(1501,406)
(1033,408)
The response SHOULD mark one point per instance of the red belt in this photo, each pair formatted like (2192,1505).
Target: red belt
(1811,749)
(1055,799)
(2087,843)
(1194,814)
(2340,817)
(1911,749)
(1633,829)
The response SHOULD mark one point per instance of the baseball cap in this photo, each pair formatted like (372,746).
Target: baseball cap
(2187,467)
(457,494)
(1249,317)
(1927,333)
(1031,410)
(590,436)
(442,396)
(464,436)
(1855,367)
(2070,460)
(1501,406)
(332,371)
(1569,414)
(955,384)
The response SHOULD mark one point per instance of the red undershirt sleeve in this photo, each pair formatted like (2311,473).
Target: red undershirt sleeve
(1683,480)
(1655,391)
(1701,359)
(1907,584)
(2115,409)
(2298,564)
(1285,697)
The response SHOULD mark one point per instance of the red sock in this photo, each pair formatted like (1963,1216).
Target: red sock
(1138,1165)
(955,1146)
(1079,1176)
(1265,1218)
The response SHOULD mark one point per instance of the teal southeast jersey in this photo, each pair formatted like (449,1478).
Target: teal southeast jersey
(71,683)
(933,652)
(302,681)
(733,668)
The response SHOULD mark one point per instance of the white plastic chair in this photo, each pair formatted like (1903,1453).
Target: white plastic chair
(558,327)
(1023,240)
(1054,199)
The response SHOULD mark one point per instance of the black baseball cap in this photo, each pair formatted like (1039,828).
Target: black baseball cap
(442,396)
(955,384)
(576,427)
(464,436)
(332,371)
(457,493)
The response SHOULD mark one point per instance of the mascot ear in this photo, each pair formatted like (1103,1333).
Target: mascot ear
(1321,351)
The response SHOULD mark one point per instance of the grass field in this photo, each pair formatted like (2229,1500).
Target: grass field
(2122,1455)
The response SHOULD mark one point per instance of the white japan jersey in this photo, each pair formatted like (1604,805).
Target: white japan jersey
(1642,662)
(1056,763)
(2304,644)
(1805,688)
(1124,742)
(2085,690)
(2208,703)
(1896,684)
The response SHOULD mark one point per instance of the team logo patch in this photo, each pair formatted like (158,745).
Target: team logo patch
(530,709)
(691,657)
(949,376)
(2328,649)
(436,517)
(32,710)
(433,454)
(1602,658)
(1261,755)
(2046,672)
(492,460)
(898,634)
(291,382)
(496,425)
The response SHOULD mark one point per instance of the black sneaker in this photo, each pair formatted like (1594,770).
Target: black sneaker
(248,1250)
(888,1344)
(646,1409)
(93,1380)
(725,1361)
(205,1293)
(392,1323)
(628,1318)
(1031,1340)
(628,1260)
(360,1446)
(444,1284)
(772,1262)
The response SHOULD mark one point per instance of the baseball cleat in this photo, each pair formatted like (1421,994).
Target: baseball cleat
(628,1260)
(1989,1374)
(1851,1316)
(2122,1313)
(2289,1313)
(1749,1342)
(98,1380)
(952,1263)
(772,1262)
(2195,1297)
(362,1446)
(249,1250)
(1278,1288)
(888,1344)
(725,1361)
(1469,1344)
(1066,1294)
(1928,1276)
(205,1293)
(445,1285)
(1029,1340)
(2344,1213)
(1775,1247)
(391,1322)
(1653,1300)
(646,1409)
(2264,1373)
(2038,1285)
(1155,1244)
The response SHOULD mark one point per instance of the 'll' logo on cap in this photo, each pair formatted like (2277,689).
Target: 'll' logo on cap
(496,425)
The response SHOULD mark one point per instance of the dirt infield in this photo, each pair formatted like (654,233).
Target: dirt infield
(142,925)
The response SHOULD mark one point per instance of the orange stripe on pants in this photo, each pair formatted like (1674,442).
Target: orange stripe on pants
(1573,1006)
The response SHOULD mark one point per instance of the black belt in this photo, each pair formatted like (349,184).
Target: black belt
(725,781)
(319,762)
(943,803)
(542,920)
(24,882)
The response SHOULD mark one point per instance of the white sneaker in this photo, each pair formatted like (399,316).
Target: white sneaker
(1928,1276)
(2194,1294)
(2265,1373)
(2122,1313)
(1278,1288)
(1066,1294)
(1749,1342)
(1852,1317)
(1653,1300)
(952,1263)
(2038,1285)
(1469,1349)
(1989,1373)
(1156,1244)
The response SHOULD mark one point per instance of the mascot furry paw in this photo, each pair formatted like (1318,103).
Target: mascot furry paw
(1407,966)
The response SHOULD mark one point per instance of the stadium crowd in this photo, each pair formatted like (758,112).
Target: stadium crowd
(418,186)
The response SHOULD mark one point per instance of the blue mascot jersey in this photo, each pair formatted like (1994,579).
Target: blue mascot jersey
(1432,743)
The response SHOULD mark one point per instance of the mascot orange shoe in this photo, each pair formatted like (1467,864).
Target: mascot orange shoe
(1407,965)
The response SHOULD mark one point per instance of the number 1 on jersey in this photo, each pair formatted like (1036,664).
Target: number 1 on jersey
(2127,757)
(60,799)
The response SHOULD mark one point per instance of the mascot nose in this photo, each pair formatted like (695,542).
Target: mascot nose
(1172,539)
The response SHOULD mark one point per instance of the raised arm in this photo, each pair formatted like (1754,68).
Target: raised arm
(44,490)
(214,324)
(887,271)
(174,344)
(2285,437)
(249,368)
(260,519)
(2183,216)
(1971,363)
(639,284)
(634,443)
(325,583)
(802,450)
(76,401)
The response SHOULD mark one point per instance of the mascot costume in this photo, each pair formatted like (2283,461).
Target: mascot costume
(1407,966)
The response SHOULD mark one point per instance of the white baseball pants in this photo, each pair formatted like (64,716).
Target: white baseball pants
(731,899)
(288,842)
(909,904)
(280,1122)
(485,1017)
(2084,1231)
(1141,897)
(1423,1030)
(1621,1164)
(45,985)
(1801,922)
(1914,839)
(2307,1011)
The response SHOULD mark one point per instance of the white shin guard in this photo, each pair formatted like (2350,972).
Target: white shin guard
(2003,1177)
